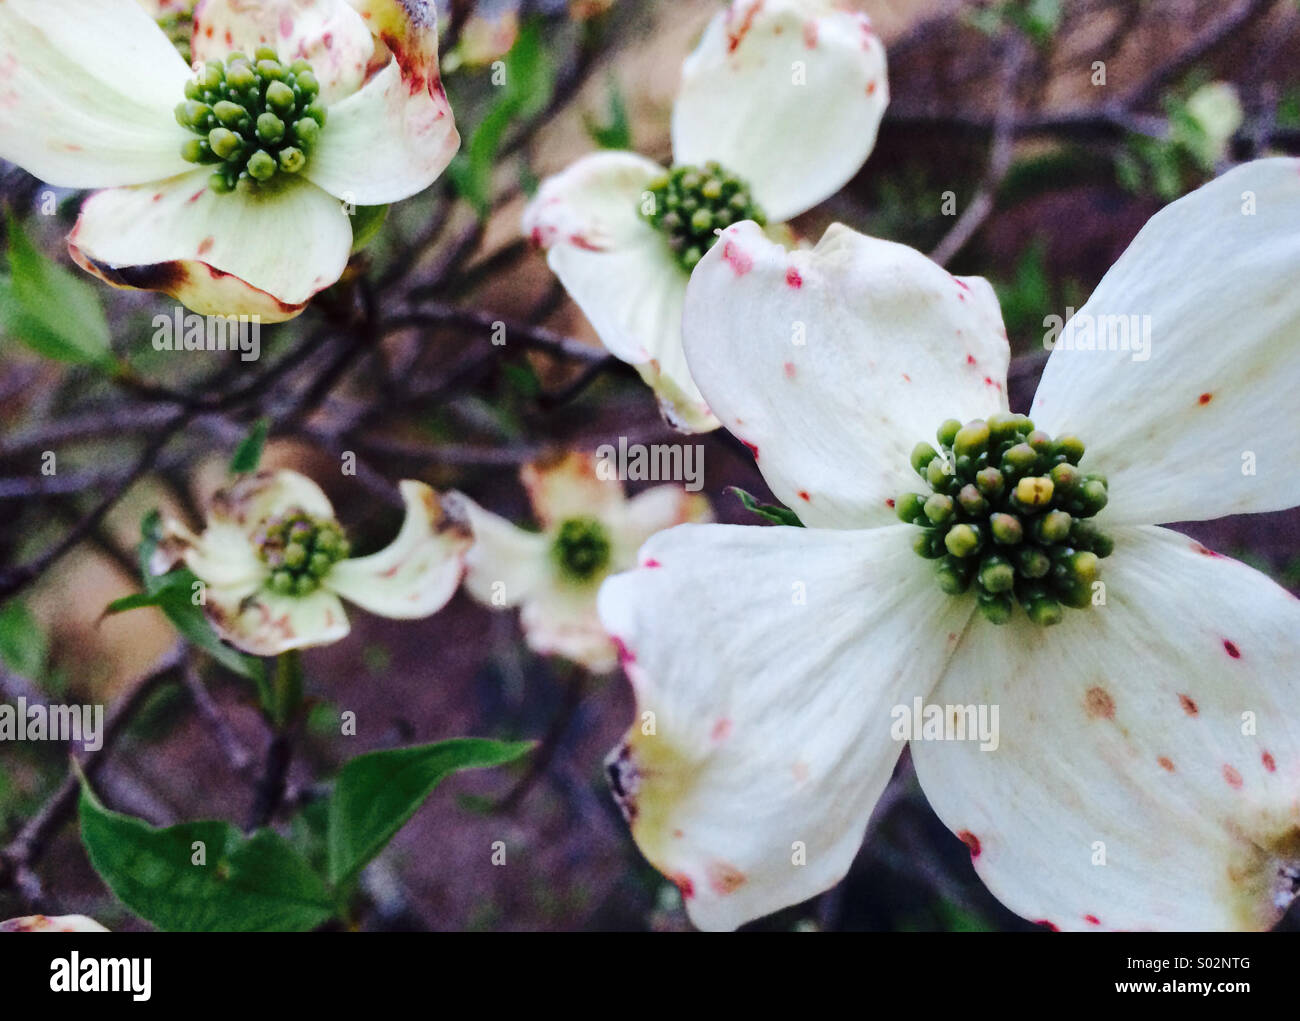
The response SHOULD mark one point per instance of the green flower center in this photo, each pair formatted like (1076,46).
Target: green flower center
(1007,513)
(300,550)
(582,548)
(256,120)
(689,203)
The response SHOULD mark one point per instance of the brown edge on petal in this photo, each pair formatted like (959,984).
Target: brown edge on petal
(174,278)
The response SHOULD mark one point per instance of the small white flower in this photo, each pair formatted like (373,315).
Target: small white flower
(589,531)
(89,91)
(785,97)
(1149,752)
(274,563)
(52,923)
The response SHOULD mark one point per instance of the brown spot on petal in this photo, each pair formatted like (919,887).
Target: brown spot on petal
(970,840)
(724,879)
(1232,776)
(1205,398)
(1269,762)
(1231,649)
(1189,705)
(1098,704)
(1165,764)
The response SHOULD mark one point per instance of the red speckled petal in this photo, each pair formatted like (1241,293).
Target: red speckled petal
(263,255)
(1132,728)
(87,89)
(789,94)
(418,572)
(620,272)
(832,364)
(328,33)
(766,663)
(52,923)
(394,137)
(1190,366)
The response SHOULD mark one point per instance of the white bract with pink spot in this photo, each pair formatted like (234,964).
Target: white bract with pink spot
(52,923)
(589,530)
(274,563)
(1149,752)
(88,91)
(786,97)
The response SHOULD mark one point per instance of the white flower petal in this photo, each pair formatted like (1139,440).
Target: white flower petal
(832,364)
(394,137)
(769,659)
(620,272)
(506,564)
(654,510)
(266,624)
(87,90)
(252,500)
(568,487)
(418,573)
(1123,731)
(1171,423)
(330,34)
(223,555)
(788,94)
(561,620)
(52,923)
(263,255)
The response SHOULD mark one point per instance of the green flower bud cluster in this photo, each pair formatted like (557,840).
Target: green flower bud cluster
(1008,514)
(254,118)
(300,550)
(581,549)
(690,203)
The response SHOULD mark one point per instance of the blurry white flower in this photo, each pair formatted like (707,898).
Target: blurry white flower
(52,923)
(274,563)
(778,109)
(589,531)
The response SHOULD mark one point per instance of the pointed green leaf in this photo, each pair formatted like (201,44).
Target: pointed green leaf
(377,793)
(203,876)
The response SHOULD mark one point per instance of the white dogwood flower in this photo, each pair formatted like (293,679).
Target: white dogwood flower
(52,923)
(589,530)
(274,561)
(779,107)
(228,187)
(1148,759)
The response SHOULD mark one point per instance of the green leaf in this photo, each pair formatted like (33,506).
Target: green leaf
(616,132)
(24,647)
(248,455)
(366,223)
(377,793)
(254,884)
(529,81)
(770,512)
(49,309)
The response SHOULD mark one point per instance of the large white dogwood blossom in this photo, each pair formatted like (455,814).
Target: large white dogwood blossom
(779,107)
(589,530)
(1149,752)
(228,187)
(274,562)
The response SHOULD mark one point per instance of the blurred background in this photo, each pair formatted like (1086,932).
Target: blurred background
(995,102)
